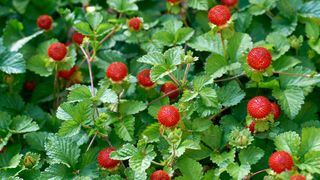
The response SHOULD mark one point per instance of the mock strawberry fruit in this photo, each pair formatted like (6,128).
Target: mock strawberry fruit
(297,177)
(77,38)
(160,175)
(229,3)
(135,24)
(280,161)
(29,85)
(251,127)
(173,1)
(171,89)
(105,161)
(66,74)
(219,15)
(259,107)
(144,78)
(57,51)
(44,22)
(275,110)
(259,58)
(117,71)
(168,116)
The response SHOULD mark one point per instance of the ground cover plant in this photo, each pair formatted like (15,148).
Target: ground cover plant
(160,89)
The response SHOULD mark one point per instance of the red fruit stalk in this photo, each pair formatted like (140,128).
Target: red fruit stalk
(280,161)
(259,107)
(171,88)
(144,78)
(117,71)
(168,116)
(219,15)
(135,24)
(77,38)
(104,159)
(57,51)
(275,110)
(297,177)
(229,3)
(259,58)
(159,175)
(44,22)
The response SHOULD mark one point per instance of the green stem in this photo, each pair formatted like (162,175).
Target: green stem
(223,46)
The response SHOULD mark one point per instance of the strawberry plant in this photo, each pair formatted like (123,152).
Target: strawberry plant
(160,89)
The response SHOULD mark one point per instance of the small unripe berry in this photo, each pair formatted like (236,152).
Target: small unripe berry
(104,159)
(78,38)
(144,78)
(160,175)
(275,110)
(229,3)
(135,24)
(57,51)
(259,107)
(171,89)
(280,161)
(297,177)
(168,116)
(219,15)
(44,22)
(259,58)
(117,71)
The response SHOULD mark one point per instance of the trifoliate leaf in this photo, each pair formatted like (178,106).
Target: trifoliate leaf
(23,124)
(300,81)
(151,133)
(190,168)
(238,172)
(79,93)
(36,140)
(198,4)
(288,141)
(311,162)
(230,94)
(250,155)
(131,107)
(310,140)
(238,45)
(11,62)
(124,153)
(210,42)
(57,172)
(106,95)
(125,128)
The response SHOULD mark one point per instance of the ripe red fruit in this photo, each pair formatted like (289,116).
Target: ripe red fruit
(57,51)
(229,3)
(297,177)
(117,71)
(259,58)
(104,159)
(259,107)
(66,74)
(173,1)
(171,88)
(280,161)
(219,15)
(29,85)
(160,175)
(251,127)
(144,78)
(275,110)
(78,38)
(44,22)
(168,116)
(135,24)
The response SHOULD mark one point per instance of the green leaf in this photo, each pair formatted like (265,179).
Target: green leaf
(151,133)
(280,44)
(125,128)
(80,112)
(310,9)
(153,58)
(209,97)
(190,168)
(5,120)
(154,108)
(20,5)
(290,100)
(187,144)
(23,124)
(83,28)
(250,155)
(259,7)
(310,140)
(62,150)
(164,37)
(124,153)
(311,162)
(213,137)
(36,140)
(312,30)
(123,5)
(94,19)
(300,81)
(107,95)
(173,56)
(238,45)
(198,4)
(285,26)
(238,172)
(69,128)
(131,107)
(57,172)
(284,63)
(230,94)
(199,82)
(11,62)
(183,35)
(210,42)
(12,32)
(11,157)
(40,64)
(289,8)
(223,159)
(217,66)
(20,43)
(79,93)
(288,141)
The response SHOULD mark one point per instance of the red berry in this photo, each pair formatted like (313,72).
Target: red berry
(117,71)
(297,177)
(251,127)
(78,38)
(259,107)
(66,74)
(168,116)
(144,78)
(259,58)
(219,15)
(57,51)
(159,175)
(280,161)
(229,3)
(29,85)
(275,110)
(135,24)
(173,1)
(171,89)
(3,150)
(44,22)
(104,159)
